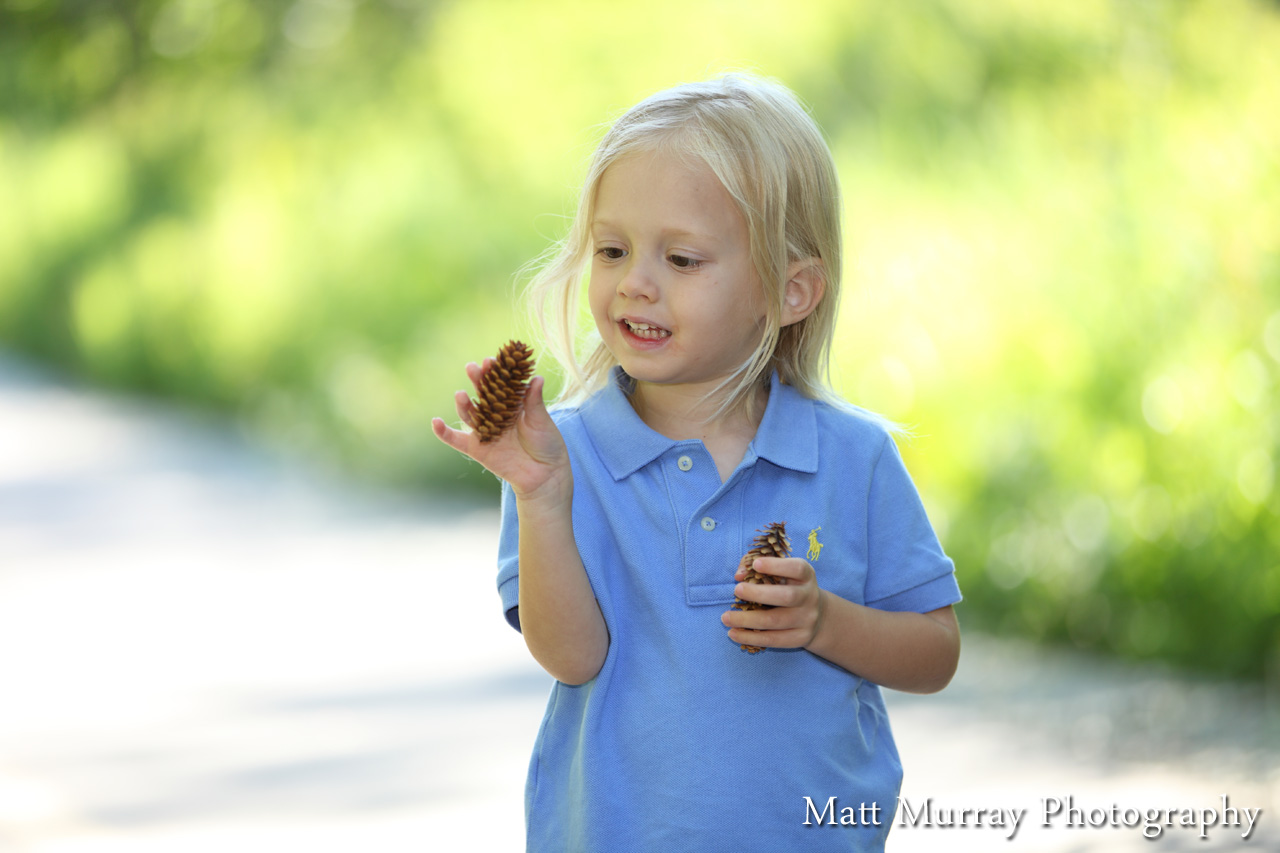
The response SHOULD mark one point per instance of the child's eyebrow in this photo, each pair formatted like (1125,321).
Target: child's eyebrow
(673,231)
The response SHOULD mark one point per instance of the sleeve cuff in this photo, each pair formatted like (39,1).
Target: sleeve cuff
(928,596)
(509,590)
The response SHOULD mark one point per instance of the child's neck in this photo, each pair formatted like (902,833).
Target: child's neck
(687,414)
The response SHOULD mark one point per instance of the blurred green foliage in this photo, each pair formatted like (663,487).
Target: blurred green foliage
(1063,218)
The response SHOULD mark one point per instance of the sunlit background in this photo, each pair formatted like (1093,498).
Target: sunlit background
(305,216)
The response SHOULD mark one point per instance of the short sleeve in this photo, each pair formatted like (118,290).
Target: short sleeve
(509,558)
(906,566)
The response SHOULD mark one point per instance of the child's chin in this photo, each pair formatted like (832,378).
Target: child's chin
(641,372)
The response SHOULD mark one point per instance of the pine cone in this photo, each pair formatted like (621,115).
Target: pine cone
(501,391)
(772,542)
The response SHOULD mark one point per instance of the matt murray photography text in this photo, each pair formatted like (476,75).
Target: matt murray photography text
(1052,812)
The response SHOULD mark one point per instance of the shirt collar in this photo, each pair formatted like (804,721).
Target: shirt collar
(787,436)
(788,432)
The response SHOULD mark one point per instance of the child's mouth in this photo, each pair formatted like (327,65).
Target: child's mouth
(645,331)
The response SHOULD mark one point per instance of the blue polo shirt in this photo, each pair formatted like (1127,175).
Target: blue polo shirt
(683,741)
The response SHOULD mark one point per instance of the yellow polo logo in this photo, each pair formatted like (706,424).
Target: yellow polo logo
(815,547)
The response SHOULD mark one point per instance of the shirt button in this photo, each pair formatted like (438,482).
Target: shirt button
(684,463)
(708,523)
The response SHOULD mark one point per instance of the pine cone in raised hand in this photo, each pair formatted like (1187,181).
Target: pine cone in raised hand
(772,542)
(501,391)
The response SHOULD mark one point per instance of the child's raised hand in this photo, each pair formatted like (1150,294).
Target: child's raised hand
(796,606)
(531,455)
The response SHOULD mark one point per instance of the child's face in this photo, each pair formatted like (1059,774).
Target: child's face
(673,291)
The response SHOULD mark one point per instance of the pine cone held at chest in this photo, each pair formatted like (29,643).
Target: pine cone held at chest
(772,542)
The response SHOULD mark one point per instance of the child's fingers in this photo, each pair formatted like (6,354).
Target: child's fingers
(464,406)
(774,595)
(475,372)
(741,573)
(756,620)
(776,628)
(768,639)
(452,437)
(793,605)
(782,627)
(791,568)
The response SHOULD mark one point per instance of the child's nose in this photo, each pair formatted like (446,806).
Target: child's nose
(637,283)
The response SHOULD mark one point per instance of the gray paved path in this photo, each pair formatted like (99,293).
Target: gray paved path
(206,648)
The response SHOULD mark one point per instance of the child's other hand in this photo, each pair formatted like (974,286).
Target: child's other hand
(797,611)
(531,455)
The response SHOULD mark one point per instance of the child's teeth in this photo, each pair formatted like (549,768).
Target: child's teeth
(644,330)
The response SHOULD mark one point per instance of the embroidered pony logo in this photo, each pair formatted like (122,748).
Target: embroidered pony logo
(815,547)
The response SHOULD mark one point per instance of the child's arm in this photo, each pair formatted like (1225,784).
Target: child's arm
(559,616)
(915,652)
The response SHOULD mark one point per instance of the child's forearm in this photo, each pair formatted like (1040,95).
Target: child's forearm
(559,616)
(914,652)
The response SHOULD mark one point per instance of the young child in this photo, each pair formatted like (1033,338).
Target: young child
(709,224)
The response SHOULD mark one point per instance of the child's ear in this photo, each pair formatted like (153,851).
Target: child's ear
(806,284)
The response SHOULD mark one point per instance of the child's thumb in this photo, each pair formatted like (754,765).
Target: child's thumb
(535,407)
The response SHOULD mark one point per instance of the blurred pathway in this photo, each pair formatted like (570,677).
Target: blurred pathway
(204,648)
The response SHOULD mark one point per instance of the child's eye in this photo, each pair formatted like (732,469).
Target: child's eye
(611,253)
(683,262)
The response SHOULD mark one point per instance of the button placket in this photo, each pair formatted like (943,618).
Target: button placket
(693,487)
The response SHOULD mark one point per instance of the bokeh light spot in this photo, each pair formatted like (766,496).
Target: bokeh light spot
(1163,404)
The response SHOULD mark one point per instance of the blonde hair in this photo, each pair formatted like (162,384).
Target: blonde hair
(772,159)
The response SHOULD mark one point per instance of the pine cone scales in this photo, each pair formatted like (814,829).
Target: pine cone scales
(501,391)
(772,542)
